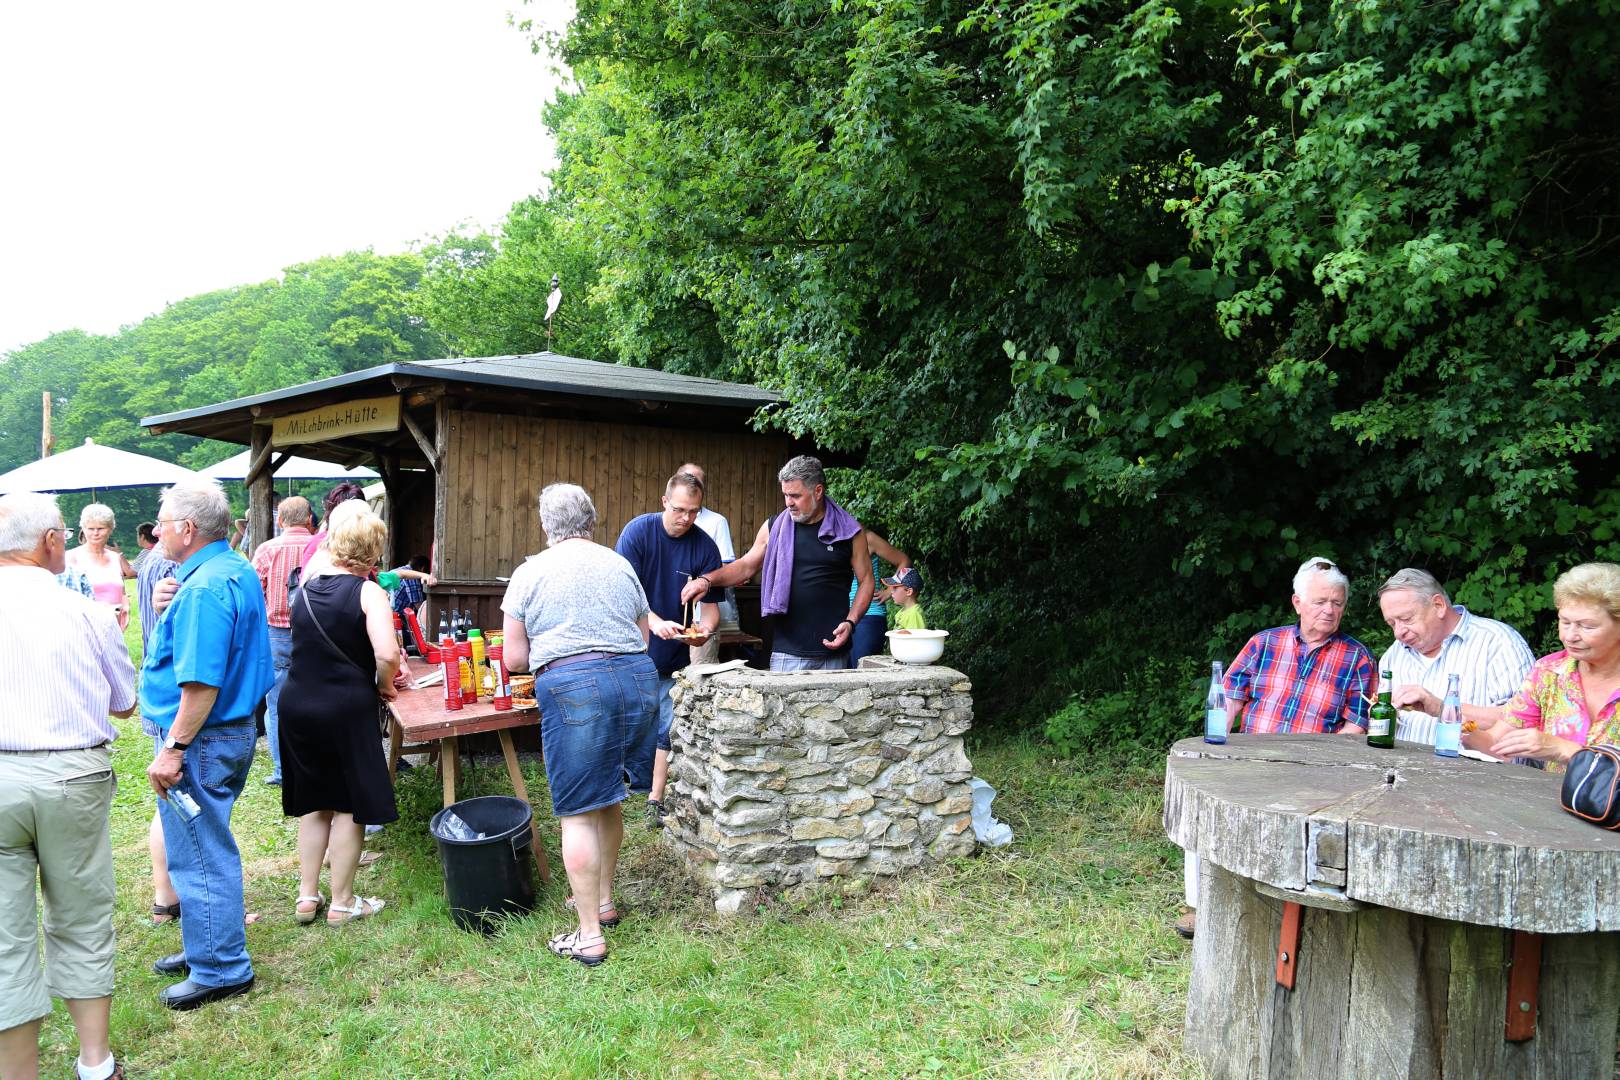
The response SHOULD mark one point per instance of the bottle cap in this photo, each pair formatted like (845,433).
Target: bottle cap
(475,633)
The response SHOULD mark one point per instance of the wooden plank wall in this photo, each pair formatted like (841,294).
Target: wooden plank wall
(497,464)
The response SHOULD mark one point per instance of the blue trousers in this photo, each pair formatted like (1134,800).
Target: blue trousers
(204,862)
(280,660)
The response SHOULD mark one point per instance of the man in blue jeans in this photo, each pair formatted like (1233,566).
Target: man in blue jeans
(207,670)
(274,560)
(666,552)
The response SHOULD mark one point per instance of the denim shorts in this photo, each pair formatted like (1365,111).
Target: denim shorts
(598,730)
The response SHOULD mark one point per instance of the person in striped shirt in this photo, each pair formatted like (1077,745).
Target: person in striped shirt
(1435,638)
(65,668)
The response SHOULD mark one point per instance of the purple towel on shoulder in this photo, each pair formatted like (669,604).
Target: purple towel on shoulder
(776,576)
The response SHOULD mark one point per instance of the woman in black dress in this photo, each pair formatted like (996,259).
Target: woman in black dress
(344,656)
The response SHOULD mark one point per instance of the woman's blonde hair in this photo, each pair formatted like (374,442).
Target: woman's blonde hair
(355,538)
(1590,583)
(97,514)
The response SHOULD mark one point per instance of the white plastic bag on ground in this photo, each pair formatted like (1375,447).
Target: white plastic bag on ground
(990,832)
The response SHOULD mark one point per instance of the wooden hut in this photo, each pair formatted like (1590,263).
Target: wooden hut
(465,445)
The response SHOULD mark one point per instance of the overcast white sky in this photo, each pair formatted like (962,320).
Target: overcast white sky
(152,151)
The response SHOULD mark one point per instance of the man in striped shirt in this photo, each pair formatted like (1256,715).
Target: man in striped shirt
(65,668)
(1435,638)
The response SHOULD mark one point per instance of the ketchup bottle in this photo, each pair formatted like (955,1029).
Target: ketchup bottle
(452,674)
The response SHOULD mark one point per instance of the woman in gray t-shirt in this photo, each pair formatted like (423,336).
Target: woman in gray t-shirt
(577,616)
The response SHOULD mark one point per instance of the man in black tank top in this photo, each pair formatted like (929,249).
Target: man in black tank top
(818,548)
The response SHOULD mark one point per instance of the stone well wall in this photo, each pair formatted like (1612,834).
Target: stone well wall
(784,779)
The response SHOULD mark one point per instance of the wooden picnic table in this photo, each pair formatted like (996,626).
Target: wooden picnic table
(419,718)
(1371,913)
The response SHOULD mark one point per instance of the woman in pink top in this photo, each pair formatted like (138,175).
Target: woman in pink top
(105,568)
(1571,698)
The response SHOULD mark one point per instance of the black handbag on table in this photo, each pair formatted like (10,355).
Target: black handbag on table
(1592,785)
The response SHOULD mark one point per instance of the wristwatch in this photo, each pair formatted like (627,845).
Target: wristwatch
(172,743)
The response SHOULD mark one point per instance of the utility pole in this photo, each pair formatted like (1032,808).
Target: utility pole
(46,440)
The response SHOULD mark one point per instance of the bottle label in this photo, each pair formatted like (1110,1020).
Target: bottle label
(1377,725)
(1215,724)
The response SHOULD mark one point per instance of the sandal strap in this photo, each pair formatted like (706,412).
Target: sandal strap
(316,899)
(601,909)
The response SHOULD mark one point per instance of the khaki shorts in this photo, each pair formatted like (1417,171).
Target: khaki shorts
(54,808)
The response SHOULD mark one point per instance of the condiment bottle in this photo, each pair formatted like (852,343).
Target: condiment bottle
(452,676)
(480,669)
(501,693)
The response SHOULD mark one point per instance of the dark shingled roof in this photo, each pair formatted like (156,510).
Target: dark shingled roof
(546,371)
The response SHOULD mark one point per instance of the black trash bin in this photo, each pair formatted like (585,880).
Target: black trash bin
(493,875)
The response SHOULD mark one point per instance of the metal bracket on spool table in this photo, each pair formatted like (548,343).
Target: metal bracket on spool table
(1524,984)
(1288,943)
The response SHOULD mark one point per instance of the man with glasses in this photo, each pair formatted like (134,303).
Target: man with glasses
(666,552)
(1306,677)
(65,668)
(208,669)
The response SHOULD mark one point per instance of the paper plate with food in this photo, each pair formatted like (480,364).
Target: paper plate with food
(523,692)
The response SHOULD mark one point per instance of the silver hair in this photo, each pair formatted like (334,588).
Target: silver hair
(566,512)
(203,503)
(1420,582)
(805,469)
(24,517)
(1317,566)
(97,514)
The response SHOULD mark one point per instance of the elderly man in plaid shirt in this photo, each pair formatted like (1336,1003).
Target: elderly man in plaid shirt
(1304,677)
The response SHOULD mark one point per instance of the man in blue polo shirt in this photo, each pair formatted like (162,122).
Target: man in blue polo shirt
(667,552)
(207,669)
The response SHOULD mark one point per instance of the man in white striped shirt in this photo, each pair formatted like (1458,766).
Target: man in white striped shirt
(1434,639)
(64,668)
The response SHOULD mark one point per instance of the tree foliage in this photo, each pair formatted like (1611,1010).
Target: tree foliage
(1130,306)
(321,318)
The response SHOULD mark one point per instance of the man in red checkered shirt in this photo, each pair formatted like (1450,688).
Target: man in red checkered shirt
(1302,678)
(1306,677)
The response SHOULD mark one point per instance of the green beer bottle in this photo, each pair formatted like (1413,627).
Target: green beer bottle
(1381,717)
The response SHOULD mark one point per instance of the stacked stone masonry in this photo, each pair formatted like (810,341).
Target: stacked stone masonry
(785,779)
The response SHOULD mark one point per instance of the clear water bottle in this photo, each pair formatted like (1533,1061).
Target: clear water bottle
(1448,733)
(1215,723)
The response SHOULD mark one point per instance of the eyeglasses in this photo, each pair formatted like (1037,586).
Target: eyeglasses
(172,521)
(1322,564)
(65,530)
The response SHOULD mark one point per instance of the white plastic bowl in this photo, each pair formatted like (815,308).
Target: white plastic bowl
(917,646)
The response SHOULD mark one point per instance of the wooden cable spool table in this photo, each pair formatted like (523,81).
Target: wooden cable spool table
(1372,913)
(418,718)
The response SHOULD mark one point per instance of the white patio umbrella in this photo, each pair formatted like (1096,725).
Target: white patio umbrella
(92,468)
(294,468)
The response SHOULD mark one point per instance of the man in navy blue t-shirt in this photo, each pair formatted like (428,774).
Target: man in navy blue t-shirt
(667,552)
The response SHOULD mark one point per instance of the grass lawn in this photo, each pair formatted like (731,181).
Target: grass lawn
(1049,958)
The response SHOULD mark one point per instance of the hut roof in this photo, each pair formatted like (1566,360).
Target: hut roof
(546,373)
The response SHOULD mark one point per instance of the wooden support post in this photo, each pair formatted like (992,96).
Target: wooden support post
(1524,986)
(423,443)
(47,441)
(1288,944)
(441,495)
(261,480)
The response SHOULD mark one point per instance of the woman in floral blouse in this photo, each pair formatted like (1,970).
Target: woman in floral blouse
(1570,698)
